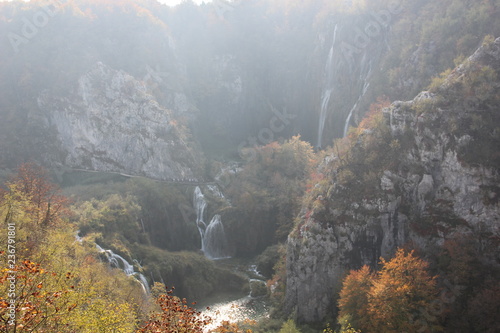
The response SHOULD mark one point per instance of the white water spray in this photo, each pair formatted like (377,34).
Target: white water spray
(366,85)
(119,262)
(327,89)
(213,238)
(215,242)
(199,205)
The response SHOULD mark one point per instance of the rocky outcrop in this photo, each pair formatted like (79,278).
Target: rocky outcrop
(434,193)
(110,122)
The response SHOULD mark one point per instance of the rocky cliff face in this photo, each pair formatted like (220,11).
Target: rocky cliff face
(442,186)
(110,122)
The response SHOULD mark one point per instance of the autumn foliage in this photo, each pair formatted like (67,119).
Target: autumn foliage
(47,202)
(175,316)
(401,297)
(48,281)
(353,300)
(42,299)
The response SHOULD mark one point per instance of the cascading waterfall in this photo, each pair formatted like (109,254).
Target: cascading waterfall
(327,90)
(215,190)
(213,238)
(215,242)
(199,205)
(119,262)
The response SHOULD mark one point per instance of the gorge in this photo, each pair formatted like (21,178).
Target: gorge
(261,152)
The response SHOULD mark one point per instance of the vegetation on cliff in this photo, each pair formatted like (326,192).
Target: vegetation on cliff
(420,175)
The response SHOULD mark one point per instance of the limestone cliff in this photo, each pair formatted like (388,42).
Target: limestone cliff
(110,122)
(440,180)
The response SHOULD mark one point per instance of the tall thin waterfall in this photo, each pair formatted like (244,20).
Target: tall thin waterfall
(327,89)
(119,262)
(352,62)
(213,238)
(364,77)
(199,205)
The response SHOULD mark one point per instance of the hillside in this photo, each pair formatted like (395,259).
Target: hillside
(325,164)
(423,176)
(226,75)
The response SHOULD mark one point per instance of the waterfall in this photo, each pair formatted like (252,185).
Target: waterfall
(215,190)
(199,205)
(213,238)
(215,241)
(327,89)
(348,120)
(366,85)
(119,262)
(322,116)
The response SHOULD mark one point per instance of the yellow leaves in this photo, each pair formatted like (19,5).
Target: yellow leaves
(101,314)
(51,298)
(393,298)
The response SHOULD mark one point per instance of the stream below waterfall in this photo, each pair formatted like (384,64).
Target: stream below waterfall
(237,307)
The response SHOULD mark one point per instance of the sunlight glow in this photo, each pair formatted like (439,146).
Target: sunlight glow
(176,2)
(166,2)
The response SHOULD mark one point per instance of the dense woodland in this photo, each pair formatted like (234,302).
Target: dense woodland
(65,283)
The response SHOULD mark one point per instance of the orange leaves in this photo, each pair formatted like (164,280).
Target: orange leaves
(47,205)
(402,292)
(36,298)
(392,300)
(314,178)
(353,299)
(176,316)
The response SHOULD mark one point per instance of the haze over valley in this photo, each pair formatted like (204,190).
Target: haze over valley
(295,166)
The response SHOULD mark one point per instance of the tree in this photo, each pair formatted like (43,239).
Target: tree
(60,285)
(33,299)
(399,298)
(267,194)
(175,316)
(353,301)
(483,308)
(47,202)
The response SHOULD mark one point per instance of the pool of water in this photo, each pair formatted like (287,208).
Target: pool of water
(235,307)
